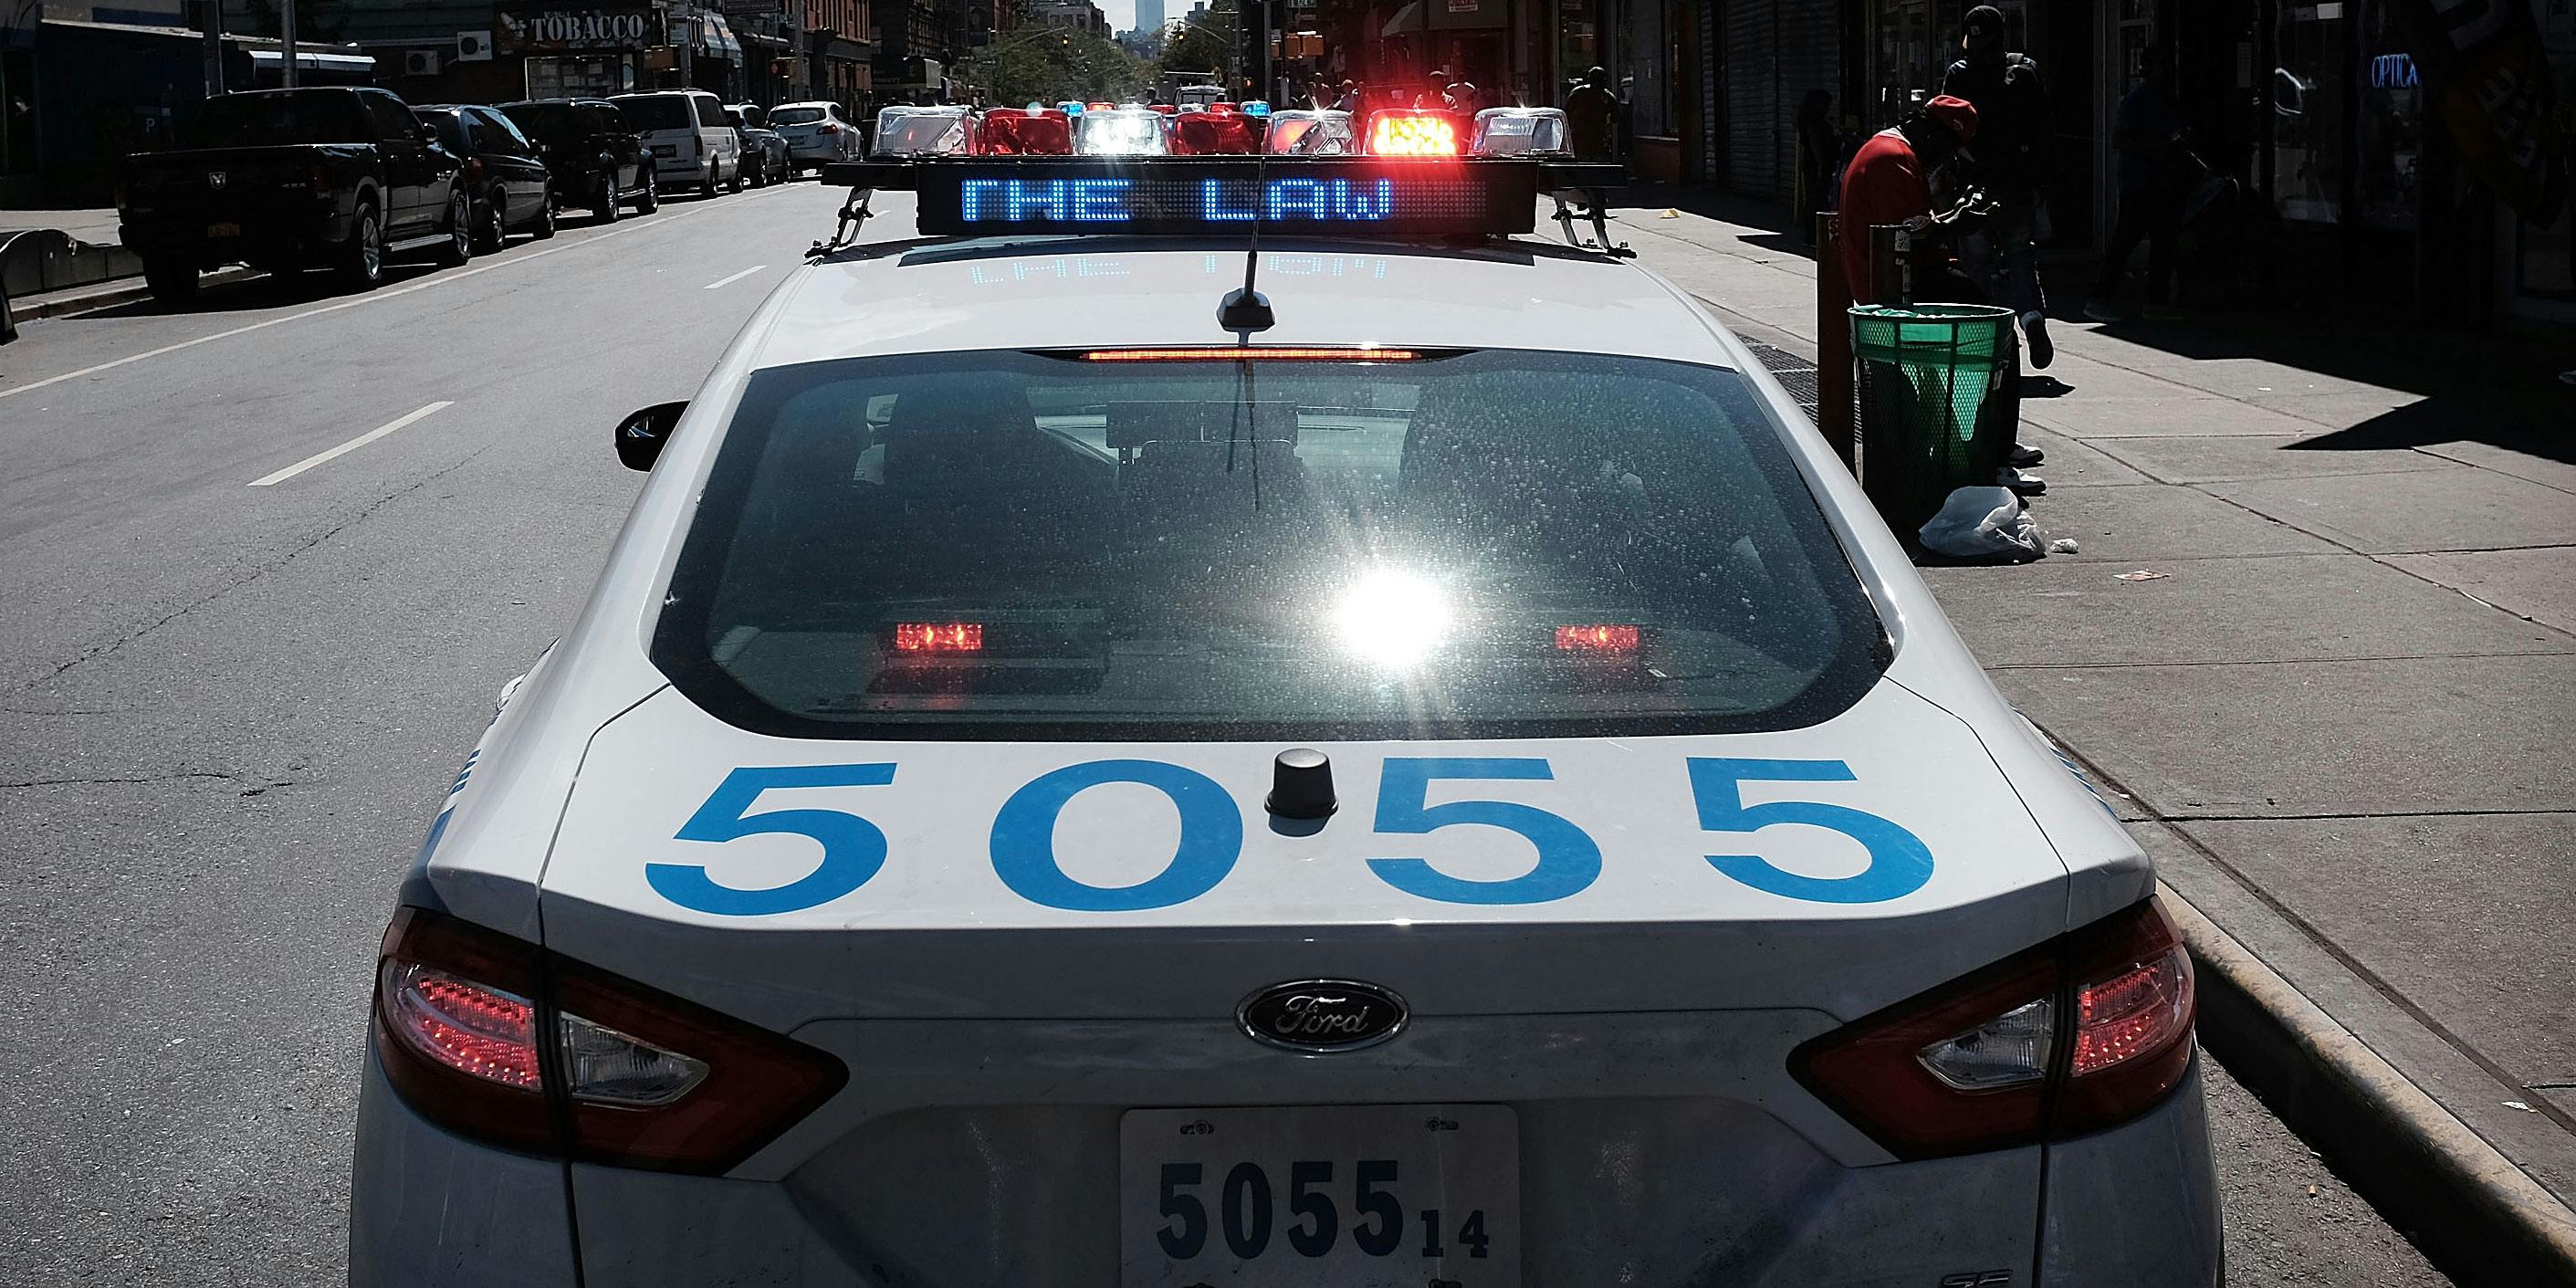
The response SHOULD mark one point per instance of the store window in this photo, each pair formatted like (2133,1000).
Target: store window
(2309,91)
(571,77)
(2388,129)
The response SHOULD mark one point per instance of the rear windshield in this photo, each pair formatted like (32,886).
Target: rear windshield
(1021,546)
(796,116)
(545,120)
(258,120)
(662,112)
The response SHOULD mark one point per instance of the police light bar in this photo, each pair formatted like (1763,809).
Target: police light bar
(1032,131)
(1520,131)
(1311,133)
(1354,197)
(904,131)
(1414,132)
(1121,132)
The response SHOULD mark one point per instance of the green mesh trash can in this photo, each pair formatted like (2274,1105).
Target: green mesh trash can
(1937,410)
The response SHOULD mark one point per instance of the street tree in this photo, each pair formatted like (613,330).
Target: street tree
(1050,65)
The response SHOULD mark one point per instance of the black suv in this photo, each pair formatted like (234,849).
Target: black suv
(507,189)
(598,160)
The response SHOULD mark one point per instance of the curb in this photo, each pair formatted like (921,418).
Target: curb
(2478,1217)
(108,296)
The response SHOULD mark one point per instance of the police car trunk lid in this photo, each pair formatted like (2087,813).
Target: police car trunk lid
(1855,863)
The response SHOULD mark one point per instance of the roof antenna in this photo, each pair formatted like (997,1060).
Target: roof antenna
(1247,310)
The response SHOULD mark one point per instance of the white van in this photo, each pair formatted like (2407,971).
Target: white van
(686,131)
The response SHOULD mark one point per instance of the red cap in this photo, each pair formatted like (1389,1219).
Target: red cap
(1957,113)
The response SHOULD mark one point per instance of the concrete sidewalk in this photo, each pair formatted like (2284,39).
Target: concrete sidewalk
(97,227)
(2340,719)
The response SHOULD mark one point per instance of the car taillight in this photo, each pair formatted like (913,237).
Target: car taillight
(2072,1036)
(1412,132)
(827,128)
(697,146)
(494,1039)
(938,637)
(473,169)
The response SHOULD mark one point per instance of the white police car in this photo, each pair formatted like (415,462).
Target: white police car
(1446,783)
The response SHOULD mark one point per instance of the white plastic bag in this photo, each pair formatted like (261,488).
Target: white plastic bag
(1982,523)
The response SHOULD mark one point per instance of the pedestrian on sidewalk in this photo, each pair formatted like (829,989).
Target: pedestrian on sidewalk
(2155,172)
(2012,120)
(1889,181)
(1592,117)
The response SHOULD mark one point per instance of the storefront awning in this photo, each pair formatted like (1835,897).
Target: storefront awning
(716,38)
(308,61)
(1406,20)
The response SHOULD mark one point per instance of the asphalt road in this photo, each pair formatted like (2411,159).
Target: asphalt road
(230,702)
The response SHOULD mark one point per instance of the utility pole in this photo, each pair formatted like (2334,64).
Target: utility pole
(687,39)
(286,34)
(213,12)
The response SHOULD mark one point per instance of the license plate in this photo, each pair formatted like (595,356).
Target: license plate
(1374,1196)
(666,149)
(223,230)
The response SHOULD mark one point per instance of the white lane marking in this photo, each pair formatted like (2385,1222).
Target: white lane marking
(728,281)
(352,445)
(436,279)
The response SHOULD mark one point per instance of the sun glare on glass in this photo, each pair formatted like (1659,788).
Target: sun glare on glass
(1391,617)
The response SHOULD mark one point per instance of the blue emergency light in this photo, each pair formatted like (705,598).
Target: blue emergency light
(1347,197)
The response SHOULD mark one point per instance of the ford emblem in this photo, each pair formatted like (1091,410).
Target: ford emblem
(1322,1015)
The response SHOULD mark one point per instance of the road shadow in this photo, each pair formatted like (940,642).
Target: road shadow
(266,291)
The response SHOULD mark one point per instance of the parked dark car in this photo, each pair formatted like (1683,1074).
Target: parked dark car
(598,160)
(285,180)
(506,187)
(764,150)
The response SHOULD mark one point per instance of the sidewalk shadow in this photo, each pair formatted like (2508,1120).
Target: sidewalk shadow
(2500,390)
(1775,229)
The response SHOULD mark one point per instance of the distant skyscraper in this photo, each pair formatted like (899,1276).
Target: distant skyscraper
(1149,15)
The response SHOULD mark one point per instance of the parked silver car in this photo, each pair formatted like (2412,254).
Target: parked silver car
(817,134)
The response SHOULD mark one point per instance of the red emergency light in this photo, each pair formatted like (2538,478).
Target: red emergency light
(1413,132)
(938,637)
(1596,639)
(1212,133)
(1025,132)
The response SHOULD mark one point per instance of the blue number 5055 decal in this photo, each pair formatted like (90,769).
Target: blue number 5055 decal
(853,848)
(1568,859)
(1024,838)
(1899,863)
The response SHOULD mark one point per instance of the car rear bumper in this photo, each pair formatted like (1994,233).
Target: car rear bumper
(814,152)
(285,233)
(429,1208)
(689,169)
(2134,1207)
(2138,1204)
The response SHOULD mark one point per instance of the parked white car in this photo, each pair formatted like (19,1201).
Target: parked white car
(691,142)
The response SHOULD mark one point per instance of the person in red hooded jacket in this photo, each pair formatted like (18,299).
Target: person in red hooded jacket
(1889,181)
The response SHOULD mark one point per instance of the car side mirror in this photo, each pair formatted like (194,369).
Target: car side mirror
(640,436)
(429,134)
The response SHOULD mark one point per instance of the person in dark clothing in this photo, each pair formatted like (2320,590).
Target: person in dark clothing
(1592,117)
(2154,170)
(2012,116)
(1818,149)
(1889,181)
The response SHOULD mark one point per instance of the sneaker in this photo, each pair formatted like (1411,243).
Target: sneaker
(2104,311)
(2022,484)
(2023,456)
(2034,327)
